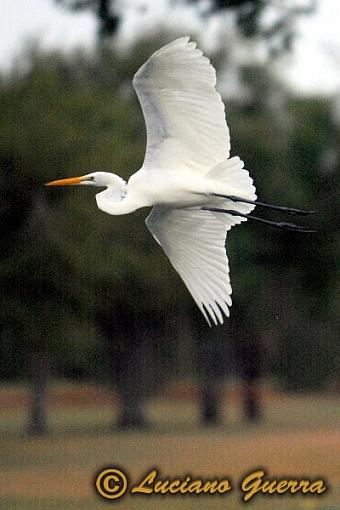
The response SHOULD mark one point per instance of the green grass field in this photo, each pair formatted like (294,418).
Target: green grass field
(299,437)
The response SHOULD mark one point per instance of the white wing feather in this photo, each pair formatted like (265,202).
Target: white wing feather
(184,114)
(194,241)
(187,130)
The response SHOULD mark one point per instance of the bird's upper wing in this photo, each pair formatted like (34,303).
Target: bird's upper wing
(184,114)
(194,241)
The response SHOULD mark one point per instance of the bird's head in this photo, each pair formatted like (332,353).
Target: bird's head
(99,179)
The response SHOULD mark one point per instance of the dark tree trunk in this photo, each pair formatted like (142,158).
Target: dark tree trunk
(108,20)
(37,422)
(250,359)
(131,381)
(131,385)
(212,367)
(251,402)
(129,357)
(210,404)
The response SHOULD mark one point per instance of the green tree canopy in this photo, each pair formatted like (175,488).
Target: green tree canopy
(255,18)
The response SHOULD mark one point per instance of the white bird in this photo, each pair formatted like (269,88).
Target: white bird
(187,175)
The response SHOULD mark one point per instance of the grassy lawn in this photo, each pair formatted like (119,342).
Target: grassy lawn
(299,437)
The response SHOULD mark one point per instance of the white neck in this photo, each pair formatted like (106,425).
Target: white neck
(116,201)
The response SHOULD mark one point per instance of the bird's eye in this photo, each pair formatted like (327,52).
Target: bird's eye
(92,178)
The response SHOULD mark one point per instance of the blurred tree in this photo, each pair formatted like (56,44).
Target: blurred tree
(288,140)
(255,18)
(47,252)
(40,312)
(214,364)
(106,11)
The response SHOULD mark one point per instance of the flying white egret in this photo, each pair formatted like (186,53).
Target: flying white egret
(187,175)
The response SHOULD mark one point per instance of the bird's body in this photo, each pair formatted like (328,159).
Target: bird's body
(146,189)
(187,175)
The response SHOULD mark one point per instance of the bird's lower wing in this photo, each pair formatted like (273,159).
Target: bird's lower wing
(194,241)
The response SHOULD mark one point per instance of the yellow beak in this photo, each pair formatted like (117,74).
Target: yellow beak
(65,182)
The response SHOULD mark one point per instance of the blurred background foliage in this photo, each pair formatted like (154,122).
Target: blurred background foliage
(89,296)
(278,31)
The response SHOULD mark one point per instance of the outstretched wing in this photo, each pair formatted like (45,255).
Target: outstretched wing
(184,114)
(194,241)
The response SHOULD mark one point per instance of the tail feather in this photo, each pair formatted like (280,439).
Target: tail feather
(231,178)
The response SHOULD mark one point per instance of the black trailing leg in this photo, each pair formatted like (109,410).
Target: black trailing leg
(280,208)
(281,225)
